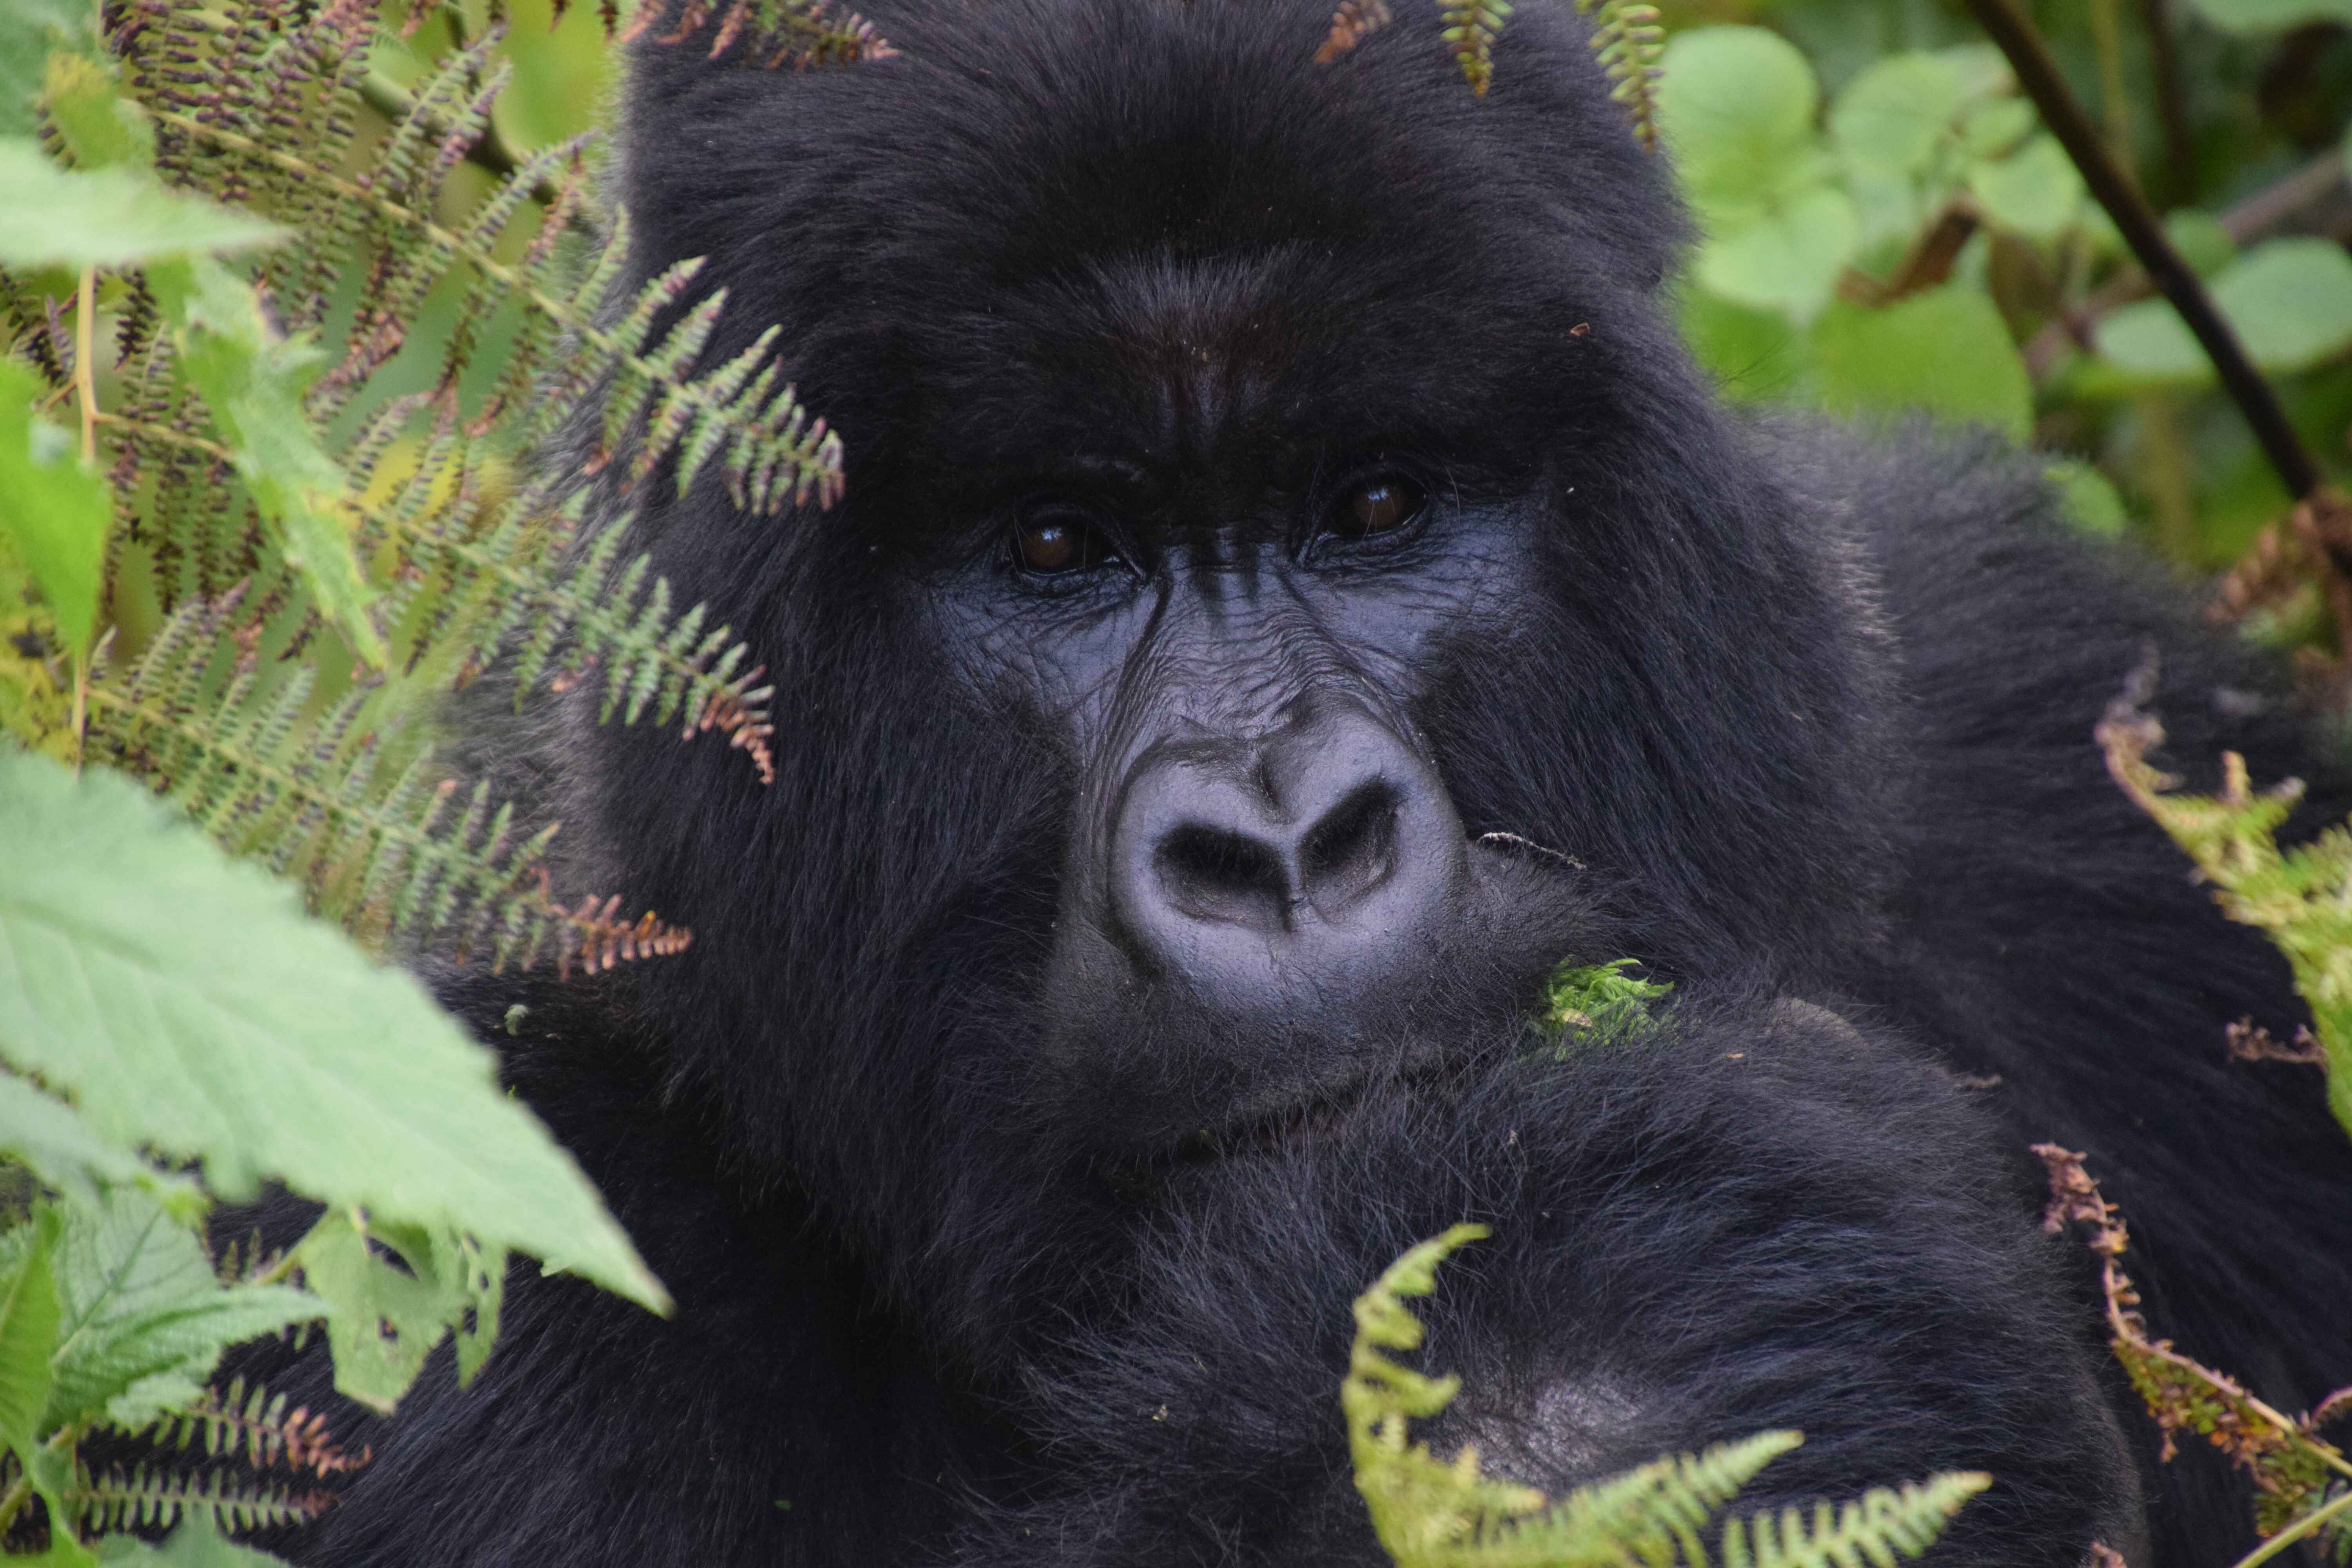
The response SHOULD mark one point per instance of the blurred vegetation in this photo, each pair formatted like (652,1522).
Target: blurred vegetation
(1887,226)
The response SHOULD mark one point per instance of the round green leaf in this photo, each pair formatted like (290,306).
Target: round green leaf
(2035,191)
(1734,98)
(2201,240)
(2086,499)
(1994,126)
(2289,301)
(1791,259)
(1946,351)
(1755,356)
(1892,116)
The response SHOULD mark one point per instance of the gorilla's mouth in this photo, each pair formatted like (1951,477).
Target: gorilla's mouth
(1308,1122)
(1319,1117)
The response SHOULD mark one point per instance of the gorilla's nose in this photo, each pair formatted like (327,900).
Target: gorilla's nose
(1287,870)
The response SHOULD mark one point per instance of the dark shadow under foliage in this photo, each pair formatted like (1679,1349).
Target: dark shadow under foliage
(1001,1234)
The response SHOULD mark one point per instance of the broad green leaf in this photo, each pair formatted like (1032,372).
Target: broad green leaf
(1893,114)
(1789,260)
(140,1302)
(1983,69)
(29,1330)
(47,1134)
(1733,89)
(2201,239)
(1946,351)
(31,1319)
(29,31)
(195,1544)
(2086,500)
(1994,126)
(188,1004)
(107,217)
(253,380)
(54,510)
(383,1319)
(1755,356)
(1737,106)
(2035,190)
(2289,301)
(99,126)
(2271,16)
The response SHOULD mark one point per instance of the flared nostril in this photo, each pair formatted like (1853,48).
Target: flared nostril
(1216,874)
(1351,849)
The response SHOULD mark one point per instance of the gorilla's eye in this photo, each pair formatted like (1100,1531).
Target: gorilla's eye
(1376,505)
(1052,543)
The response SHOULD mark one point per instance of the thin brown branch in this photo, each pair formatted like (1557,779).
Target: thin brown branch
(2038,74)
(2245,222)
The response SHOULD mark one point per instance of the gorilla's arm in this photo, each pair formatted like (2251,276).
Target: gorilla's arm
(1758,1220)
(2045,933)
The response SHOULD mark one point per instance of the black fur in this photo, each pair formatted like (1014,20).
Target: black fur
(1810,717)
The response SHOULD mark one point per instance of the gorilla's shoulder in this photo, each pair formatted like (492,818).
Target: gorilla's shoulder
(2005,617)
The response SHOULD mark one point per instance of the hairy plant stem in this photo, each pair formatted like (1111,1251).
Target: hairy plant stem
(2038,74)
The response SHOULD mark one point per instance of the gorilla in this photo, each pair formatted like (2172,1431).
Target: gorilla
(1295,591)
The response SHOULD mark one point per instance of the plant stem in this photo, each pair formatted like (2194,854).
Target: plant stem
(13,1503)
(2305,1526)
(85,360)
(2179,172)
(86,395)
(2038,74)
(2107,35)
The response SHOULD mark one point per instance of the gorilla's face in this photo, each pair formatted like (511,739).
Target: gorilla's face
(1224,624)
(1291,574)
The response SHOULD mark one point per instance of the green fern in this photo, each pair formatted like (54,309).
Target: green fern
(1874,1529)
(140,1497)
(1629,42)
(300,784)
(2301,898)
(802,33)
(268,494)
(247,1423)
(1469,30)
(1433,1513)
(1598,997)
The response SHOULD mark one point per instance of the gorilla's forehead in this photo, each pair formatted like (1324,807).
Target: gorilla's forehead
(1035,193)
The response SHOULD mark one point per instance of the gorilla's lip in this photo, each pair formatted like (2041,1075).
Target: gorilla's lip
(1306,1119)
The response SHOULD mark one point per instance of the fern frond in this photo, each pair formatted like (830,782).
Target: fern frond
(1875,1529)
(1430,1513)
(1352,24)
(1469,34)
(297,785)
(253,1427)
(1629,42)
(805,33)
(776,450)
(139,1497)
